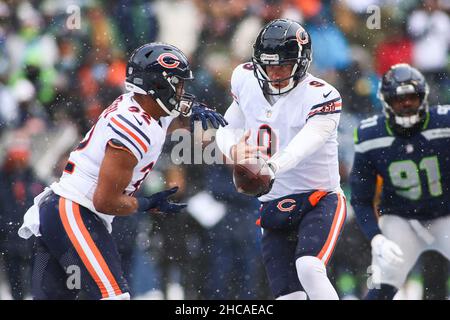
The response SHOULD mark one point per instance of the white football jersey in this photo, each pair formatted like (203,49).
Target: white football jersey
(274,126)
(126,122)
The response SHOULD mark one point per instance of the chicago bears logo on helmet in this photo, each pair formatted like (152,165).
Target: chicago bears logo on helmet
(302,36)
(165,57)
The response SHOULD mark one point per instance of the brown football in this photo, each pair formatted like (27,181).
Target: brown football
(251,177)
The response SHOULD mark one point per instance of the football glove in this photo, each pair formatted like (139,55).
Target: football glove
(201,112)
(269,170)
(159,202)
(386,250)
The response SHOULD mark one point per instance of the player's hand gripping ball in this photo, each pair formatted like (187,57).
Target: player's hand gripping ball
(253,177)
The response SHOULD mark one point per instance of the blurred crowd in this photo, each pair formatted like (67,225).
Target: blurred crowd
(63,62)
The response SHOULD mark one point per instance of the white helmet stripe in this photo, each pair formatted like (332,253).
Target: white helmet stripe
(174,112)
(134,88)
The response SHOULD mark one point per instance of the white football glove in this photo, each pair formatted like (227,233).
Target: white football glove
(386,250)
(266,170)
(271,171)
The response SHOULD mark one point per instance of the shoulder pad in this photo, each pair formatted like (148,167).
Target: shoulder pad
(441,110)
(322,98)
(124,105)
(371,128)
(439,118)
(239,76)
(320,91)
(241,72)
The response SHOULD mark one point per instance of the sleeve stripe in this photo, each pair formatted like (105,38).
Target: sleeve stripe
(135,137)
(126,138)
(325,103)
(135,128)
(235,98)
(322,113)
(337,107)
(368,145)
(327,109)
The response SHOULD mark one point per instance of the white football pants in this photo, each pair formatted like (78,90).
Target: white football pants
(413,237)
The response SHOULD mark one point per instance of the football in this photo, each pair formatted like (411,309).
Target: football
(251,177)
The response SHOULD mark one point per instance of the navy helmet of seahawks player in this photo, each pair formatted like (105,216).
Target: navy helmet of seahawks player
(400,179)
(281,42)
(403,91)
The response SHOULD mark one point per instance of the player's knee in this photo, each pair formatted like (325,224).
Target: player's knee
(298,295)
(123,296)
(309,267)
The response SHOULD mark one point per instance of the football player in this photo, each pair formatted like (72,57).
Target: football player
(72,218)
(290,116)
(405,152)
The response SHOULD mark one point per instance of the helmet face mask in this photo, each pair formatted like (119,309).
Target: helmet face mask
(160,70)
(406,109)
(281,42)
(403,92)
(183,100)
(275,86)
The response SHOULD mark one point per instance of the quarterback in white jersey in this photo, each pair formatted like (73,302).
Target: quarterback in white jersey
(289,115)
(274,126)
(72,218)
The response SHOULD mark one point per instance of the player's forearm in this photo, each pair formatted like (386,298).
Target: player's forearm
(226,138)
(366,219)
(120,205)
(310,139)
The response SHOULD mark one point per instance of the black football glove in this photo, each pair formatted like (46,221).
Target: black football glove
(158,202)
(201,112)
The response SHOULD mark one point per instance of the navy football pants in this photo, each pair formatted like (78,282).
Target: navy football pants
(74,254)
(316,235)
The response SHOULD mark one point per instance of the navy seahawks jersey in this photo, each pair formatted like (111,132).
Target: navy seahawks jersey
(415,171)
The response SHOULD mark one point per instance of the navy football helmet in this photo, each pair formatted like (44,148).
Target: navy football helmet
(281,42)
(160,70)
(401,80)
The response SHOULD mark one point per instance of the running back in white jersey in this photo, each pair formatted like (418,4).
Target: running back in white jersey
(126,123)
(274,126)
